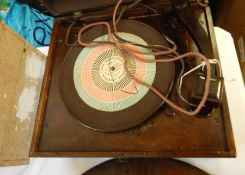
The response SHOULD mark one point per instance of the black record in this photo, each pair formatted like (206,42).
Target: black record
(99,94)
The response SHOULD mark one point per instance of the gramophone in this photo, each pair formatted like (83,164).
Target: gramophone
(91,107)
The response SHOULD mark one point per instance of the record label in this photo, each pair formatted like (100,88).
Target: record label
(101,80)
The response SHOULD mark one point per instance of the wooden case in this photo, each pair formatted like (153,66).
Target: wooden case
(56,132)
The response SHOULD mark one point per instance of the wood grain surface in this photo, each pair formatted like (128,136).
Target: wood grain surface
(143,166)
(58,134)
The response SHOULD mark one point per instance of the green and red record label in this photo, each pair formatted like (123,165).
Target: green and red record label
(101,81)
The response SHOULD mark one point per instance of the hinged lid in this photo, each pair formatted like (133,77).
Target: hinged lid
(59,8)
(64,7)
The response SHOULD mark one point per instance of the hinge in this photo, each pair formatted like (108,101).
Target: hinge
(77,15)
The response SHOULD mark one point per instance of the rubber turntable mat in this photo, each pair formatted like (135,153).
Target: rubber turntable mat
(131,116)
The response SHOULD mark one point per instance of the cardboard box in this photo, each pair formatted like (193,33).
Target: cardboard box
(21,73)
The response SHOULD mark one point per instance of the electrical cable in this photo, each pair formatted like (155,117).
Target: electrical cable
(181,77)
(201,3)
(124,48)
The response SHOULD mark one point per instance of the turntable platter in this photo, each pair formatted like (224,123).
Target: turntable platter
(96,89)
